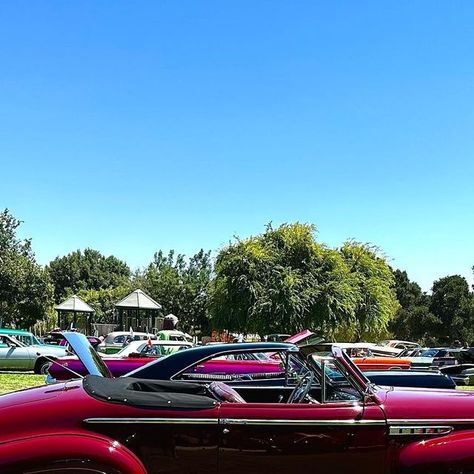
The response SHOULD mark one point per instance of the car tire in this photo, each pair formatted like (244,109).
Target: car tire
(42,366)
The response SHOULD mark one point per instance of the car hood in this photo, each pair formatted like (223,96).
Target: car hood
(305,337)
(434,404)
(87,354)
(49,350)
(31,395)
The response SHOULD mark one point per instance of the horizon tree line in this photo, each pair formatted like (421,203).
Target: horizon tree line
(282,280)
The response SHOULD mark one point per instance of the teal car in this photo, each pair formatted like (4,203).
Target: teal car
(26,337)
(21,350)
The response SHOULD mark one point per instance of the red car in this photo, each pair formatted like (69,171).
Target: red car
(323,417)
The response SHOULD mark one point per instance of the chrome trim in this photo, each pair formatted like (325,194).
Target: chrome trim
(154,421)
(419,430)
(431,421)
(234,421)
(287,422)
(323,381)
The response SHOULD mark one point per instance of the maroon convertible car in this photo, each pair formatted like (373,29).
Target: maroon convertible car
(323,417)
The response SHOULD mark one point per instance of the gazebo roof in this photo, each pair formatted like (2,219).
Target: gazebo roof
(74,304)
(138,300)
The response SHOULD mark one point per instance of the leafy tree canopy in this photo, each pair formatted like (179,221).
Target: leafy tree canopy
(25,288)
(87,270)
(414,320)
(284,281)
(180,285)
(372,278)
(453,304)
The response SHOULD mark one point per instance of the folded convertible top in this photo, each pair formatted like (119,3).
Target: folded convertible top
(149,393)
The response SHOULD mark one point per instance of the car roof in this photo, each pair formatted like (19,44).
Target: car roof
(14,331)
(157,342)
(348,345)
(124,333)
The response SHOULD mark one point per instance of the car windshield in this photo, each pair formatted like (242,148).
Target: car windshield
(155,350)
(429,353)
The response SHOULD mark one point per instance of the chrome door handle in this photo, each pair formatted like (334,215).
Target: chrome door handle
(225,431)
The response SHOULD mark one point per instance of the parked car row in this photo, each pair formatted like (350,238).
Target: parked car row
(269,407)
(125,351)
(22,350)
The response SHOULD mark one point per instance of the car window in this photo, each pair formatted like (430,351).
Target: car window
(119,339)
(8,342)
(237,366)
(339,383)
(429,353)
(4,342)
(27,339)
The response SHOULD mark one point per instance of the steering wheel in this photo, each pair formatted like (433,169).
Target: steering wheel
(302,388)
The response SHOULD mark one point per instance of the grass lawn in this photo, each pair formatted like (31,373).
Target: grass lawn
(10,381)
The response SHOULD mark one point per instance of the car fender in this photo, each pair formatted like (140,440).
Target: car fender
(439,455)
(42,450)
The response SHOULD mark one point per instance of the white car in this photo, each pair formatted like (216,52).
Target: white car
(14,355)
(114,341)
(151,348)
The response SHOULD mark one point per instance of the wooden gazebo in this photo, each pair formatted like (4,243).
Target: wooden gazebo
(137,311)
(76,313)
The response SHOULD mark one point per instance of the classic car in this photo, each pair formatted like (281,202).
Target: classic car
(15,355)
(362,356)
(26,337)
(56,338)
(150,348)
(132,356)
(223,367)
(249,363)
(173,335)
(464,367)
(392,347)
(412,378)
(244,363)
(203,365)
(116,340)
(360,352)
(430,357)
(312,422)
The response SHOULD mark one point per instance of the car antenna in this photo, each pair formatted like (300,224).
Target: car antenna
(63,366)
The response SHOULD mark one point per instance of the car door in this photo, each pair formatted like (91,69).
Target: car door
(333,425)
(14,355)
(176,442)
(281,438)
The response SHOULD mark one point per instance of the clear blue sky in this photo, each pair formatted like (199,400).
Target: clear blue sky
(136,126)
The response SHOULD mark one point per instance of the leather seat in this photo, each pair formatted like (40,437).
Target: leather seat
(226,393)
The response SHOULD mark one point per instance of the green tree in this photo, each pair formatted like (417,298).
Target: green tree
(279,281)
(87,270)
(452,302)
(413,320)
(373,280)
(181,286)
(25,288)
(103,301)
